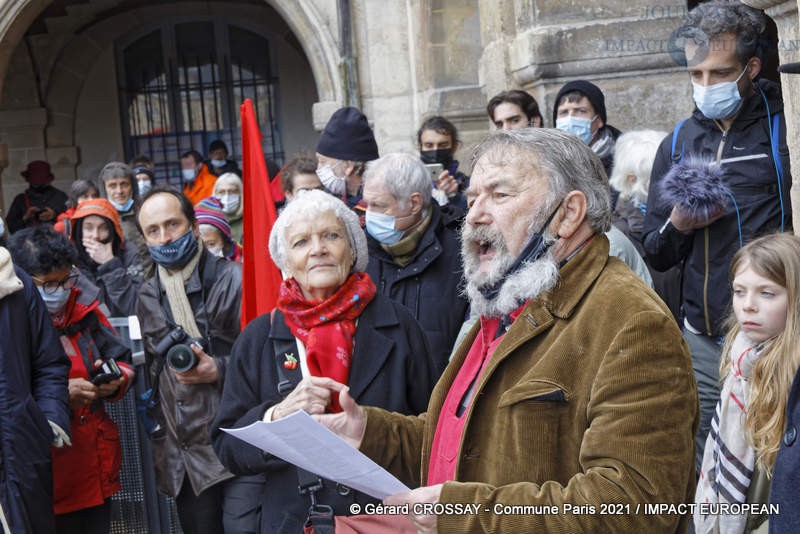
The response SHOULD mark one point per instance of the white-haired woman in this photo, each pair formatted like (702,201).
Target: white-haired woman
(634,153)
(330,330)
(228,189)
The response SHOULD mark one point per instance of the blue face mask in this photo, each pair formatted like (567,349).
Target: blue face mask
(176,254)
(122,208)
(382,228)
(218,163)
(720,100)
(577,126)
(55,302)
(189,174)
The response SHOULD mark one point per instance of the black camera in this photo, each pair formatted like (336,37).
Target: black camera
(176,349)
(108,371)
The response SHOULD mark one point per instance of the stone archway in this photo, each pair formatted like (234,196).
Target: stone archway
(16,16)
(70,69)
(64,74)
(302,16)
(321,50)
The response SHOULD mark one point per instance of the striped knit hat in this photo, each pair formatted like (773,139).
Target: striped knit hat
(209,211)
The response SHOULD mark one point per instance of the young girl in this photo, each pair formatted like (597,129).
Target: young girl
(760,361)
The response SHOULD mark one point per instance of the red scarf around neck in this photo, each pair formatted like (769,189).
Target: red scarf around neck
(327,327)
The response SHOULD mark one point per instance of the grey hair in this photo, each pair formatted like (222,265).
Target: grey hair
(228,178)
(634,153)
(118,169)
(719,17)
(566,161)
(403,174)
(306,206)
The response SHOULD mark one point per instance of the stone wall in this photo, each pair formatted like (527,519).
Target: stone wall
(785,15)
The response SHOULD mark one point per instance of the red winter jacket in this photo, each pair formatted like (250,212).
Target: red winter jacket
(87,473)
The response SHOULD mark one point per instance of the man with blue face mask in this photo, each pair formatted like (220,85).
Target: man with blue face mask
(738,127)
(200,293)
(413,248)
(580,109)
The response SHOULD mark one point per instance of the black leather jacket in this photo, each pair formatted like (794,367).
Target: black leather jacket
(187,411)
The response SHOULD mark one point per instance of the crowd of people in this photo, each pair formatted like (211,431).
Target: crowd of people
(589,321)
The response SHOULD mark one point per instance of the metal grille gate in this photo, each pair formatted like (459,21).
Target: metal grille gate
(181,86)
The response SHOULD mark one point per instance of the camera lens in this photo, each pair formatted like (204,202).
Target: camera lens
(181,358)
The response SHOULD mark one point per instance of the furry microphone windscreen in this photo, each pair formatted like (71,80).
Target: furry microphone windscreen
(696,186)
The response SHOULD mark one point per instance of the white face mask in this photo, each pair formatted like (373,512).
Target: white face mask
(189,174)
(216,251)
(335,184)
(230,203)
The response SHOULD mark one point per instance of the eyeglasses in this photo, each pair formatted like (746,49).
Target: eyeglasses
(51,286)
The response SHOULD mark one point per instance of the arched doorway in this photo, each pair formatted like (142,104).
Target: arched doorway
(181,84)
(59,70)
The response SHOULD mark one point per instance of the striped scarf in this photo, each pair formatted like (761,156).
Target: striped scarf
(728,460)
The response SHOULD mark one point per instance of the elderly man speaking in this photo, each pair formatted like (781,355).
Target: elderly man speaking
(570,406)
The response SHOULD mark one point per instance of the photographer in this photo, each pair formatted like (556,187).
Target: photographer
(85,475)
(201,294)
(40,203)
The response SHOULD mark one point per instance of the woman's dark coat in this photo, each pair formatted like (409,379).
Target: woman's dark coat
(390,368)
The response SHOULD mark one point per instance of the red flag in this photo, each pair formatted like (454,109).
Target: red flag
(260,277)
(277,187)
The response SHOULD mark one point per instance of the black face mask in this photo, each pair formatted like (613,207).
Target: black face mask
(442,155)
(534,250)
(39,188)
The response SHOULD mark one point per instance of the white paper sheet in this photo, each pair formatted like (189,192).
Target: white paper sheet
(300,440)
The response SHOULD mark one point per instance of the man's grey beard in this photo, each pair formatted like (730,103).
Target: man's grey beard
(530,281)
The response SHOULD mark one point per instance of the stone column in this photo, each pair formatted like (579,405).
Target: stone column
(785,15)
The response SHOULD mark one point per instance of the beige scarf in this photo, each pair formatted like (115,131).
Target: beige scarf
(175,286)
(9,282)
(403,251)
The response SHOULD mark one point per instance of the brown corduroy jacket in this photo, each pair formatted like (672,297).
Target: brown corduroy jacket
(589,401)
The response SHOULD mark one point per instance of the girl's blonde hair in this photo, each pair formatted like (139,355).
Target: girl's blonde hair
(777,258)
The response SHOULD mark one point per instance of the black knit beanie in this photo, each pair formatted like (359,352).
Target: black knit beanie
(348,136)
(590,90)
